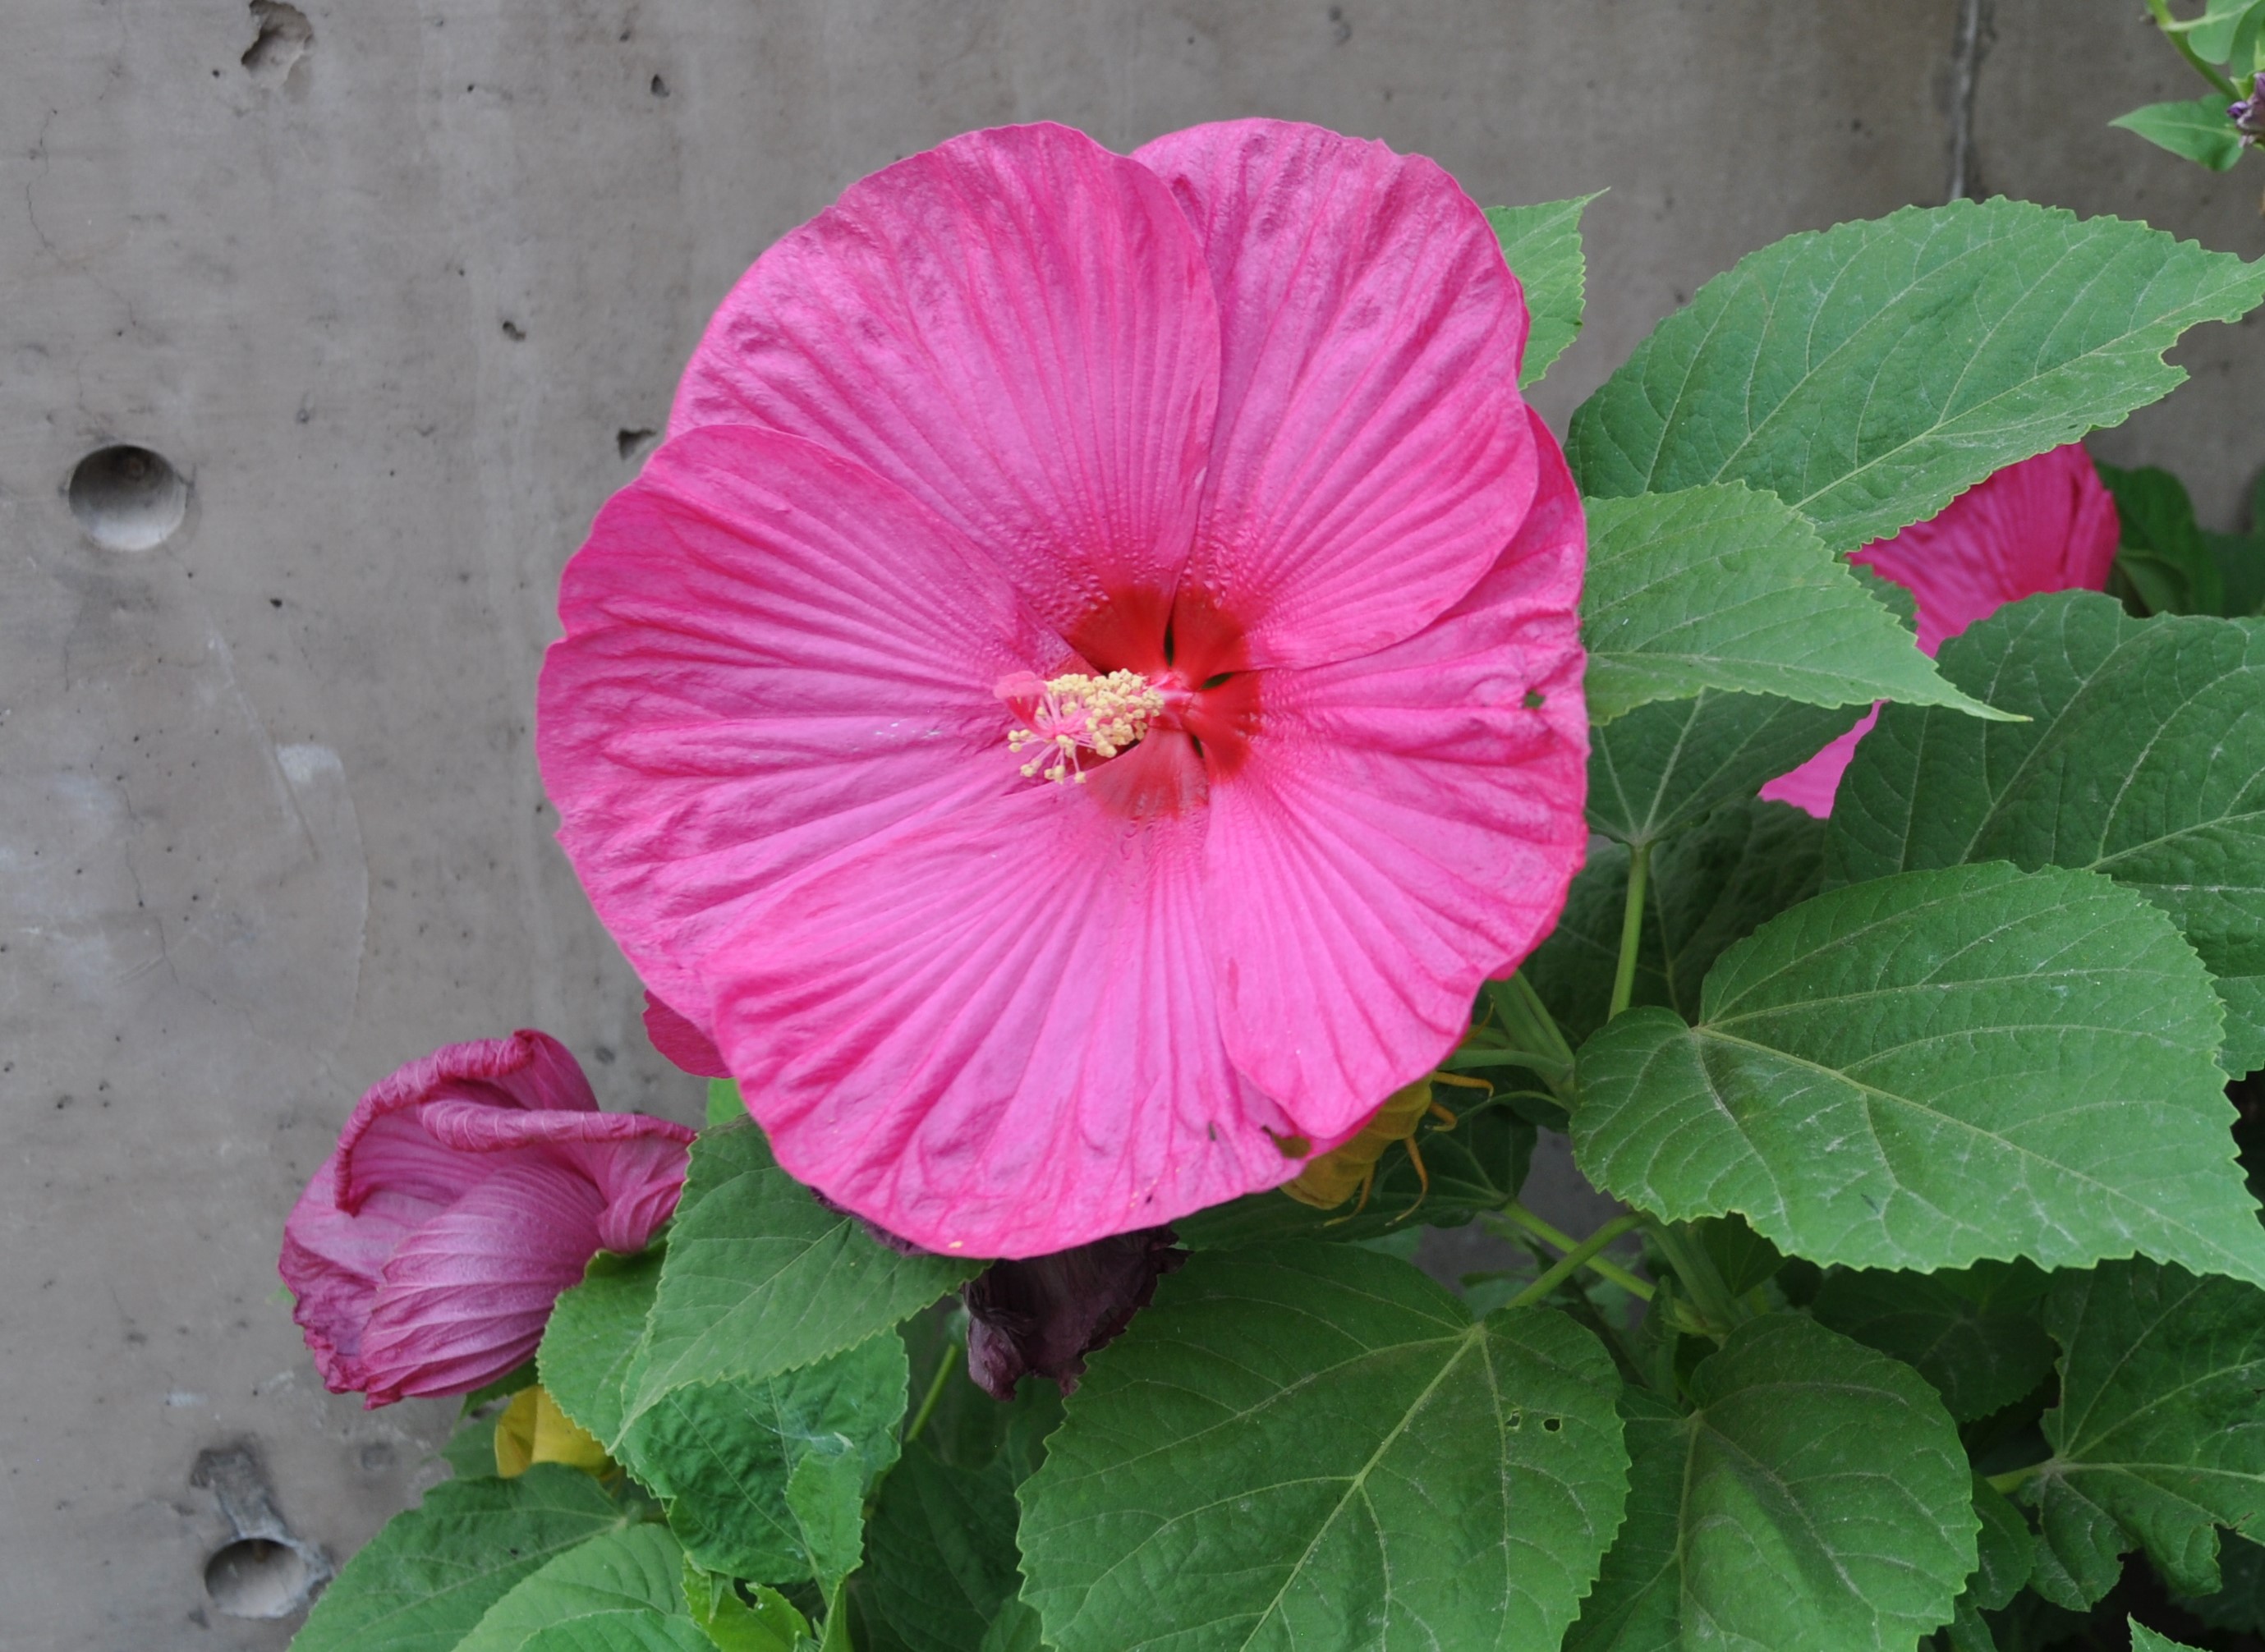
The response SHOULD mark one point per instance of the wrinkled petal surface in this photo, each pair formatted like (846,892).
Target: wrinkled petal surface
(1015,326)
(995,1033)
(1371,457)
(468,1189)
(771,654)
(466,1296)
(1405,826)
(2046,524)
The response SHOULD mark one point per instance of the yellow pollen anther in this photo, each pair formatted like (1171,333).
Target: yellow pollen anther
(1080,713)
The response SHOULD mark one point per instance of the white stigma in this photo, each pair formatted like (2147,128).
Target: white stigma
(1079,713)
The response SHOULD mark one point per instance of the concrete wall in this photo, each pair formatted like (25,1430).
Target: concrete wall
(400,289)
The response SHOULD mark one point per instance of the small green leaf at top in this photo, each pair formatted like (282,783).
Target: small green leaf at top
(2192,128)
(1867,374)
(2145,759)
(1725,587)
(1668,765)
(1974,1333)
(760,1278)
(595,1331)
(1815,1497)
(619,1589)
(1926,1070)
(425,1580)
(2159,1438)
(1542,245)
(1314,1445)
(764,1477)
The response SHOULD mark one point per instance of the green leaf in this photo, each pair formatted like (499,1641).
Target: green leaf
(2158,522)
(2159,1438)
(1665,766)
(762,1279)
(2145,761)
(2007,1549)
(1975,1335)
(1710,887)
(725,1106)
(1868,373)
(764,1477)
(470,1451)
(2241,559)
(2145,1640)
(1932,1069)
(1724,587)
(2193,129)
(594,1334)
(424,1580)
(1542,245)
(1478,1166)
(1816,1497)
(771,1624)
(1314,1445)
(941,1558)
(502,1388)
(621,1589)
(2211,33)
(2240,1602)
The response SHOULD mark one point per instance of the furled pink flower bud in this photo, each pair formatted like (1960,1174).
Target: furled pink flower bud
(466,1191)
(1043,1316)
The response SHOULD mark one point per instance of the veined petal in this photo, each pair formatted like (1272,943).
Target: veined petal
(2046,524)
(1016,327)
(384,1145)
(994,1032)
(771,654)
(1404,826)
(466,1296)
(1370,457)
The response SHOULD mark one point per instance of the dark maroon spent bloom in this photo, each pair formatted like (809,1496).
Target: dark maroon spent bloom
(2248,115)
(1041,1316)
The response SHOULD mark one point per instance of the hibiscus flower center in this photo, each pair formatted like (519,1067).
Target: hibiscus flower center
(1072,717)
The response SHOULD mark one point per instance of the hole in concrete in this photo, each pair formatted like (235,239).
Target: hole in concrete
(631,442)
(128,497)
(261,1577)
(285,37)
(659,87)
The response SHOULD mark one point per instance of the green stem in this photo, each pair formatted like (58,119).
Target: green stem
(1574,1260)
(1704,1285)
(1528,1024)
(1518,1215)
(1480,1055)
(2166,22)
(2013,1477)
(1631,929)
(934,1393)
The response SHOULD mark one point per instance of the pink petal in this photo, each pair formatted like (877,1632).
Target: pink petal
(771,654)
(681,1042)
(994,1033)
(1405,826)
(384,1144)
(2045,524)
(1811,786)
(1371,457)
(465,1298)
(332,1262)
(1015,326)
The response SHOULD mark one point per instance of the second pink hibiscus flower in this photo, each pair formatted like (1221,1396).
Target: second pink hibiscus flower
(1092,684)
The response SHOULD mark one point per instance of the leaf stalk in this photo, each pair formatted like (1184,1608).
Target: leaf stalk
(1574,1260)
(1631,929)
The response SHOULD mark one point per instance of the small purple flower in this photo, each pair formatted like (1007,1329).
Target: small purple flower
(1043,1316)
(2248,115)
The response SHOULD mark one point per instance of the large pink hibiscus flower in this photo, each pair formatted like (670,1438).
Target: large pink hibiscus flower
(2045,524)
(1091,684)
